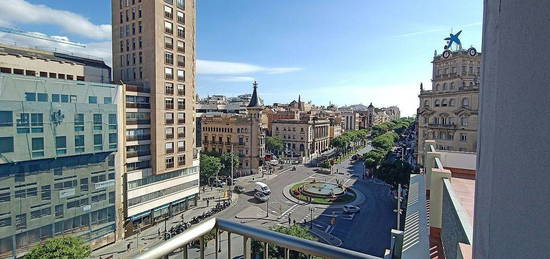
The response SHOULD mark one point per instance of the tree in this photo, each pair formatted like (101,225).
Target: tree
(277,252)
(210,166)
(225,159)
(274,144)
(394,173)
(66,247)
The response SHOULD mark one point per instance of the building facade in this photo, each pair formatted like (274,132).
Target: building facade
(241,134)
(351,120)
(449,112)
(58,144)
(154,55)
(306,137)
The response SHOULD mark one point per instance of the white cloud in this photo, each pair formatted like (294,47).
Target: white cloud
(214,67)
(21,11)
(236,79)
(101,49)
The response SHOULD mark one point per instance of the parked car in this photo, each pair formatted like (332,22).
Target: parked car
(261,196)
(263,188)
(351,209)
(217,183)
(238,189)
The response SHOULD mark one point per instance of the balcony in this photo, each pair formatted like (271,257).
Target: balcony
(138,121)
(444,126)
(248,233)
(169,121)
(181,149)
(169,151)
(130,154)
(181,121)
(169,91)
(181,92)
(181,107)
(169,136)
(138,137)
(181,135)
(169,165)
(169,77)
(181,64)
(138,88)
(138,105)
(169,45)
(168,106)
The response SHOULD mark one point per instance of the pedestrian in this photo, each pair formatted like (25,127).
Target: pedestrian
(289,220)
(128,247)
(158,232)
(294,222)
(207,203)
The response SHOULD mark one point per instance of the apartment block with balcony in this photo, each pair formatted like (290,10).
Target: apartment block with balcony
(154,56)
(58,147)
(449,112)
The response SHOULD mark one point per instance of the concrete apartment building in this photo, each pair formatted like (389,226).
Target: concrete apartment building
(307,137)
(58,147)
(449,112)
(242,134)
(154,56)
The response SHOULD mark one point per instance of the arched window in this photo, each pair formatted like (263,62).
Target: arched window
(436,87)
(426,104)
(436,103)
(451,102)
(444,86)
(464,121)
(444,102)
(452,86)
(465,102)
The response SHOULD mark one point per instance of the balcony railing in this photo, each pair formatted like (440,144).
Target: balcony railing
(137,88)
(169,91)
(170,121)
(139,121)
(170,165)
(181,107)
(138,105)
(181,135)
(169,136)
(437,125)
(181,121)
(249,233)
(181,149)
(137,137)
(181,92)
(130,154)
(169,106)
(169,151)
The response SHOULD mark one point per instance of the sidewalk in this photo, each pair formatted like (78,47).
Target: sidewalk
(149,237)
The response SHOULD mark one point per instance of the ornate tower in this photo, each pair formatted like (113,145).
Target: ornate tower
(256,137)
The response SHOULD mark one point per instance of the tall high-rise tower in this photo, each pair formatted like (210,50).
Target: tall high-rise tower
(154,56)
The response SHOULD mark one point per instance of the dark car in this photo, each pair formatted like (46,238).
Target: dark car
(238,189)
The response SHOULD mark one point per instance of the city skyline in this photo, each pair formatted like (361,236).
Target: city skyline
(379,58)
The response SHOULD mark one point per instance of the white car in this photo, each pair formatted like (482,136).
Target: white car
(351,209)
(261,196)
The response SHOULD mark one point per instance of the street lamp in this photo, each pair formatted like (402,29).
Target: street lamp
(311,209)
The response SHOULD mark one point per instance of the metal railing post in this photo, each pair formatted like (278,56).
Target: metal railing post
(246,247)
(202,247)
(287,253)
(185,252)
(266,250)
(228,245)
(217,242)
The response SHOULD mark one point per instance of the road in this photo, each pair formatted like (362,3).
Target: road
(367,231)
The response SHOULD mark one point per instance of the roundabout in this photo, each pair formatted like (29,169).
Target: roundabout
(322,193)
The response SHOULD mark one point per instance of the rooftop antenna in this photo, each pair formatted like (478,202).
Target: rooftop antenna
(39,36)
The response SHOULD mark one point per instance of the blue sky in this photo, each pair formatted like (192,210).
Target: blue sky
(346,51)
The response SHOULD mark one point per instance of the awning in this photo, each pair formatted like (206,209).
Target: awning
(162,207)
(141,215)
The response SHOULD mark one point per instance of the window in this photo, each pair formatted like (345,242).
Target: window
(5,222)
(21,221)
(181,103)
(98,121)
(444,102)
(168,58)
(181,160)
(59,211)
(169,103)
(436,103)
(180,4)
(168,12)
(452,86)
(79,122)
(181,132)
(56,98)
(181,146)
(169,88)
(465,102)
(168,42)
(112,121)
(79,143)
(30,97)
(61,145)
(112,140)
(42,97)
(169,133)
(168,73)
(180,46)
(181,17)
(169,147)
(37,147)
(92,99)
(181,75)
(6,119)
(463,137)
(169,162)
(37,123)
(169,117)
(98,142)
(426,104)
(108,100)
(84,184)
(181,61)
(181,89)
(6,144)
(464,121)
(181,117)
(452,102)
(181,31)
(168,27)
(444,86)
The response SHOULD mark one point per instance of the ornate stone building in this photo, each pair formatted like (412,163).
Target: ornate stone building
(244,133)
(306,137)
(449,112)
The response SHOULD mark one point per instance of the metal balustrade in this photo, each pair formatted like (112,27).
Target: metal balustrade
(249,233)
